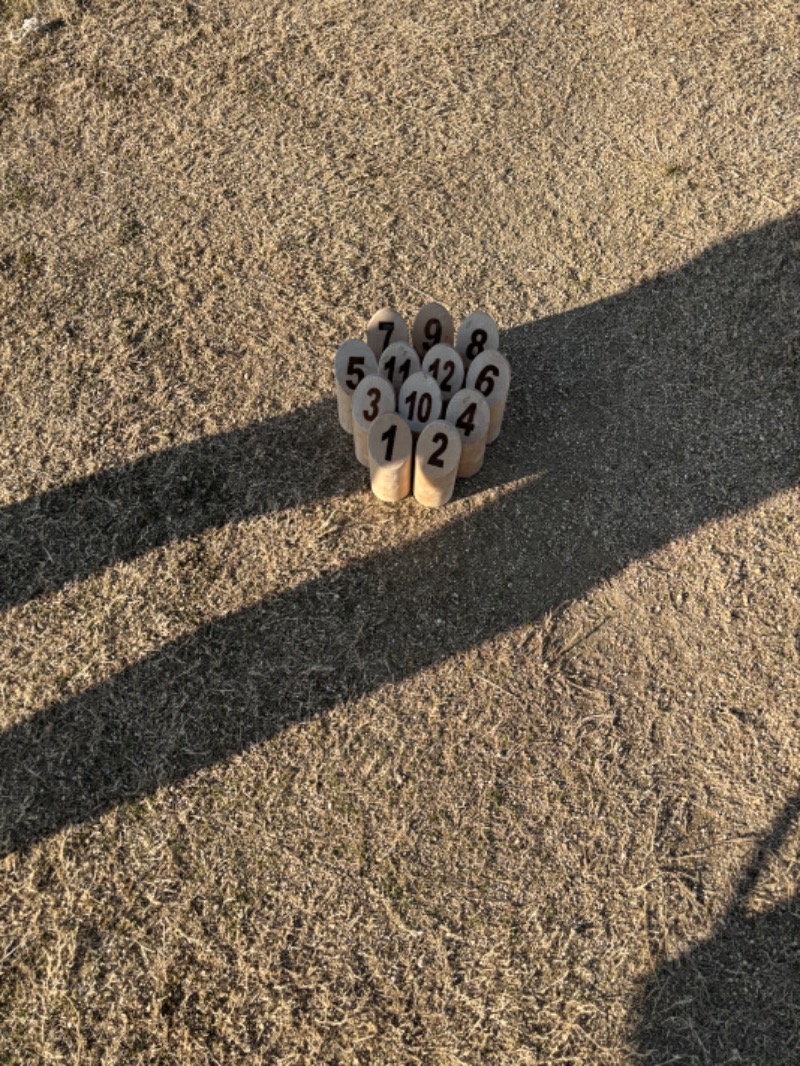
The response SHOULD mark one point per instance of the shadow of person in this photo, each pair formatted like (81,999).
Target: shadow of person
(734,997)
(632,421)
(82,527)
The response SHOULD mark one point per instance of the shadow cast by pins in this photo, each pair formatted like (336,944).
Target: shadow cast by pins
(632,421)
(735,996)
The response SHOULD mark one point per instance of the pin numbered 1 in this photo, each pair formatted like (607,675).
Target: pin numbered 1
(373,397)
(390,450)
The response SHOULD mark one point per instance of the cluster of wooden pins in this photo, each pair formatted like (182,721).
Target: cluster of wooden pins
(422,413)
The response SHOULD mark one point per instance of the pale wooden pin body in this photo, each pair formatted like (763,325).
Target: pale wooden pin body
(490,375)
(446,365)
(477,333)
(468,411)
(386,327)
(398,363)
(352,362)
(438,455)
(373,398)
(420,401)
(390,450)
(433,325)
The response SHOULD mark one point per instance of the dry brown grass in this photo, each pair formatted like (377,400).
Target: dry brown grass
(287,775)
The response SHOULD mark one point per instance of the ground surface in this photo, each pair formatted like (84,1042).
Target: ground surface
(288,775)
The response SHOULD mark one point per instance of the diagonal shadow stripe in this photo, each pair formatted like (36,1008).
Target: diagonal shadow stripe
(735,995)
(634,421)
(117,515)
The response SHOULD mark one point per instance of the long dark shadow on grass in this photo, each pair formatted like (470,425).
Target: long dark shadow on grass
(71,532)
(633,421)
(735,996)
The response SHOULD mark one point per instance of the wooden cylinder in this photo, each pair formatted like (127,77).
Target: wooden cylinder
(469,413)
(433,325)
(398,363)
(420,401)
(490,375)
(436,463)
(386,327)
(446,365)
(373,397)
(390,448)
(352,362)
(477,333)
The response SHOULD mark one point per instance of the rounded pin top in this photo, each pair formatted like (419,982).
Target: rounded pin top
(468,411)
(386,327)
(374,396)
(477,333)
(490,375)
(433,325)
(352,362)
(398,363)
(439,448)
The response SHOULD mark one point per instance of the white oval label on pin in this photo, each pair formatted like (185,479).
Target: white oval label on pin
(490,375)
(353,361)
(398,363)
(446,365)
(420,401)
(477,333)
(386,327)
(433,325)
(468,411)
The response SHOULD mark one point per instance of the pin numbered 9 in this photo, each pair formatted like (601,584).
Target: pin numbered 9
(433,325)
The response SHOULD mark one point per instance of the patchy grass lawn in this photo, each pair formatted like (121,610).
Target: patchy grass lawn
(289,775)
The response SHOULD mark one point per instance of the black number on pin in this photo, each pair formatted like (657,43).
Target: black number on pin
(355,371)
(374,410)
(448,370)
(423,408)
(477,343)
(433,332)
(389,437)
(436,457)
(388,329)
(466,420)
(484,381)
